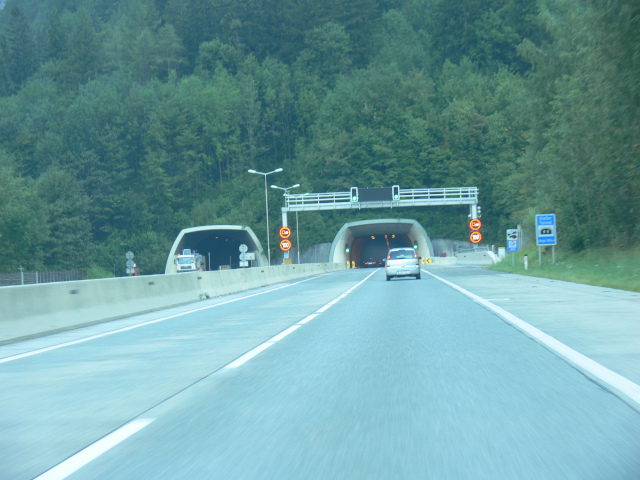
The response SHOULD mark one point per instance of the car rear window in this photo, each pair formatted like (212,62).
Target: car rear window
(399,254)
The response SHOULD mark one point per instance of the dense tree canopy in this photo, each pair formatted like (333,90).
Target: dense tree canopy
(123,122)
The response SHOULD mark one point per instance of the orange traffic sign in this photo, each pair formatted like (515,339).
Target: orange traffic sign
(285,245)
(475,237)
(285,232)
(475,224)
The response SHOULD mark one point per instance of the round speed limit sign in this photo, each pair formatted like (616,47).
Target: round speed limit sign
(475,237)
(285,245)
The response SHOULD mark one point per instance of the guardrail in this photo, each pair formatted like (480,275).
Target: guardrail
(31,310)
(482,248)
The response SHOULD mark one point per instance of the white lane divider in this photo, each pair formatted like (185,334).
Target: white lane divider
(144,324)
(307,319)
(262,347)
(620,386)
(93,451)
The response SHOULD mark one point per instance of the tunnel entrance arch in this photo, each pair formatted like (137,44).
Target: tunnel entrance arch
(370,240)
(219,243)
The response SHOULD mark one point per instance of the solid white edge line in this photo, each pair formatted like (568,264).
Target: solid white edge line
(93,451)
(620,386)
(143,324)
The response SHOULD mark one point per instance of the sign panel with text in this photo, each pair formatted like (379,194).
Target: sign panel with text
(546,229)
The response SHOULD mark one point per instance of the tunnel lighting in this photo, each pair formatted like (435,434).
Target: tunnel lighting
(373,237)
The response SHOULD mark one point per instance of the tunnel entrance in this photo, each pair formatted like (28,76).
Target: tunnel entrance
(365,244)
(371,251)
(218,244)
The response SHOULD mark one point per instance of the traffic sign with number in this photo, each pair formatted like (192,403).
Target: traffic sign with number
(475,237)
(285,245)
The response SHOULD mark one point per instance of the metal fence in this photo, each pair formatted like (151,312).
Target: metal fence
(32,278)
(483,248)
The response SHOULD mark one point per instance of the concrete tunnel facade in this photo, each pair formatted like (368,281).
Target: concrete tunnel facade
(220,243)
(371,239)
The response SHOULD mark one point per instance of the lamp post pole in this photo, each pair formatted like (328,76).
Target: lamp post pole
(286,193)
(266,200)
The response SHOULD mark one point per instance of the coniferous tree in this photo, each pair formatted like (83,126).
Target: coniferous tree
(18,51)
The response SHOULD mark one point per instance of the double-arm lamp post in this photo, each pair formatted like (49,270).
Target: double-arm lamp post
(266,199)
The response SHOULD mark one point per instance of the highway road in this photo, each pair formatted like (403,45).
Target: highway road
(338,376)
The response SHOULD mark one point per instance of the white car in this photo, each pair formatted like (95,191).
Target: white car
(402,262)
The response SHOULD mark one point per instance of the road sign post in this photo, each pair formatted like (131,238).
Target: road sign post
(244,256)
(130,270)
(546,234)
(474,225)
(512,243)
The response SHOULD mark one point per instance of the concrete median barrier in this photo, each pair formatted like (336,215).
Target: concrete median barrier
(33,310)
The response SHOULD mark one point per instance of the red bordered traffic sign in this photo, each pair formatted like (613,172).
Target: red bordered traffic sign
(475,237)
(285,245)
(285,232)
(475,224)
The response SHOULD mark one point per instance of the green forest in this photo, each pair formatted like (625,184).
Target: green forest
(123,122)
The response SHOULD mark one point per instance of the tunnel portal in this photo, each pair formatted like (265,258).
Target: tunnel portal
(219,243)
(366,243)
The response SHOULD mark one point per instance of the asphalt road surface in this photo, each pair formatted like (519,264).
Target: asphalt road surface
(340,376)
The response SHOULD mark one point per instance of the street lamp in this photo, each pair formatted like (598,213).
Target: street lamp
(266,199)
(286,189)
(286,193)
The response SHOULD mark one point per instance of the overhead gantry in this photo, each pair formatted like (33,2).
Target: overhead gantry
(385,197)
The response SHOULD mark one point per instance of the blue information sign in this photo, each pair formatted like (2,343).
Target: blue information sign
(512,240)
(546,229)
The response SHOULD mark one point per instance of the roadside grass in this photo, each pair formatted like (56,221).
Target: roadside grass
(602,267)
(98,272)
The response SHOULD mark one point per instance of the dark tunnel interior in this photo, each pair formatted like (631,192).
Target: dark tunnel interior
(370,251)
(222,246)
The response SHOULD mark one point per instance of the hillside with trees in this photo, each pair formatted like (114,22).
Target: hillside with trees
(123,122)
